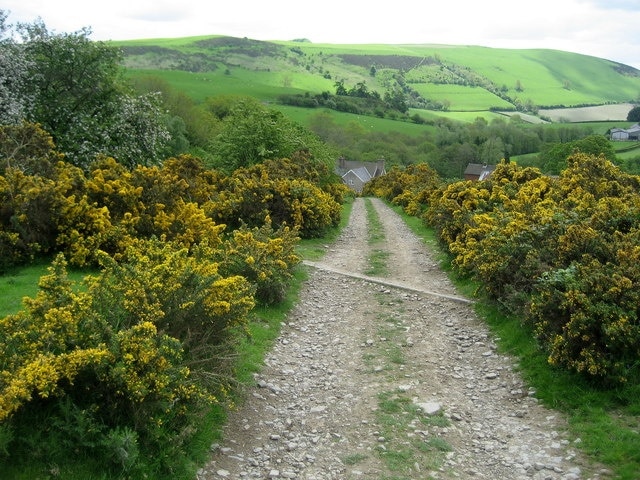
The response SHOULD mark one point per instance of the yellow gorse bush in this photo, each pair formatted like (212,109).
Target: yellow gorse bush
(184,255)
(42,375)
(137,347)
(107,207)
(264,256)
(557,251)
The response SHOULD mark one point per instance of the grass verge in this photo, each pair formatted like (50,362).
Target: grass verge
(378,257)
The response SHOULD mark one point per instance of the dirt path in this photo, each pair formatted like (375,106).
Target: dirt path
(375,381)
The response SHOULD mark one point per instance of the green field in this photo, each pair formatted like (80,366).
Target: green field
(264,85)
(461,97)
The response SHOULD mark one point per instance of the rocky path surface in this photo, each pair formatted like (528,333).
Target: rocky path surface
(374,381)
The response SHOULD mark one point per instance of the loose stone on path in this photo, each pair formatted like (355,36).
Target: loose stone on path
(314,413)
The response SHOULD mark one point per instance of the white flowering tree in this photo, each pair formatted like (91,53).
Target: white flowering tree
(13,73)
(73,87)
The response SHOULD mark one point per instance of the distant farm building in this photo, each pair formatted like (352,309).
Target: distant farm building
(355,174)
(478,171)
(631,133)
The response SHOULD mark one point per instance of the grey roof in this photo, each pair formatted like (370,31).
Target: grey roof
(375,168)
(362,173)
(632,129)
(479,169)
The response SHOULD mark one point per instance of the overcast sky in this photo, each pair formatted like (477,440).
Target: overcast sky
(602,28)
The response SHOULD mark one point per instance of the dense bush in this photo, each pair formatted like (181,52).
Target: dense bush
(263,256)
(250,195)
(110,206)
(99,370)
(561,252)
(121,368)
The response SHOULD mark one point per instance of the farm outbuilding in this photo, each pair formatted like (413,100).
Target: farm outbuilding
(631,133)
(478,171)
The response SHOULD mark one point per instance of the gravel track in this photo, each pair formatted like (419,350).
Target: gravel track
(390,379)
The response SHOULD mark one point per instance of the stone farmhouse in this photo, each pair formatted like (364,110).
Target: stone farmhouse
(631,133)
(355,174)
(478,171)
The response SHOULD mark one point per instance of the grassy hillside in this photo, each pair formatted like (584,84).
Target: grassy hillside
(462,78)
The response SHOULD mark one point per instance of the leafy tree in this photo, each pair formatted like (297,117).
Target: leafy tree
(554,156)
(252,133)
(634,114)
(136,132)
(492,151)
(340,88)
(360,90)
(73,78)
(396,99)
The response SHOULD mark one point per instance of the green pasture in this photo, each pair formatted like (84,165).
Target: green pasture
(548,78)
(367,123)
(468,116)
(599,128)
(461,97)
(627,150)
(237,81)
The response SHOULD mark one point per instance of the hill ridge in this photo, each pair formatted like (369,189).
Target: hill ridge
(433,76)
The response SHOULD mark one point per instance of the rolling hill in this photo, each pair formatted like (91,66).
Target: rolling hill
(440,79)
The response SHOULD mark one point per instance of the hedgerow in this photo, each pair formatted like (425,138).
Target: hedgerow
(109,206)
(251,194)
(557,251)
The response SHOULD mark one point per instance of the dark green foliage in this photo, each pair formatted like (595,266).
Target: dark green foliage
(634,114)
(554,155)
